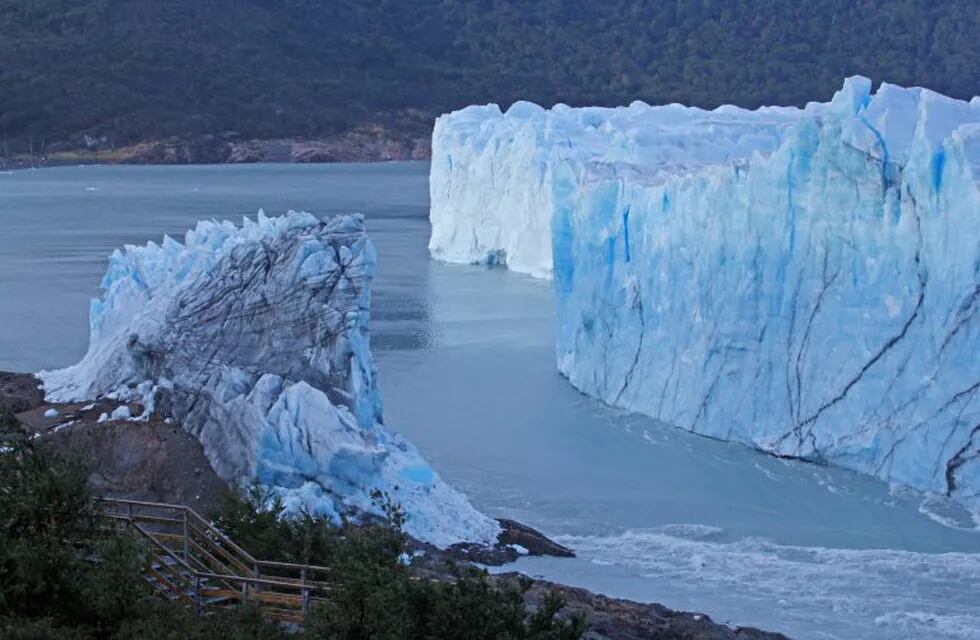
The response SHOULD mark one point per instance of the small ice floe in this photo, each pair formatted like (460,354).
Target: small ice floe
(104,417)
(88,407)
(519,549)
(121,412)
(93,189)
(61,426)
(51,413)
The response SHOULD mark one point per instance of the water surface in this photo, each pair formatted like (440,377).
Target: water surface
(466,360)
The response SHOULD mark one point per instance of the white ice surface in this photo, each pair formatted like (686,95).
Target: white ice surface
(255,338)
(804,281)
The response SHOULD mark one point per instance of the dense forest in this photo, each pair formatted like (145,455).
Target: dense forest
(131,70)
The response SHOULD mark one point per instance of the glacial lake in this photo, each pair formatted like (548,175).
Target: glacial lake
(466,362)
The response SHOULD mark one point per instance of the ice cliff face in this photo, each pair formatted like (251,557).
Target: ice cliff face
(803,281)
(255,339)
(492,184)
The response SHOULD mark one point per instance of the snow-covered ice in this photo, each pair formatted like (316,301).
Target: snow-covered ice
(256,339)
(804,281)
(122,412)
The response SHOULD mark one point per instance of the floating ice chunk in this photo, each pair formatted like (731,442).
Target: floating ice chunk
(51,413)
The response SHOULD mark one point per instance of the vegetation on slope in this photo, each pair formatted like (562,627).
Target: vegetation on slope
(132,70)
(65,573)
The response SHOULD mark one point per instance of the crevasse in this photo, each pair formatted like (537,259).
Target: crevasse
(804,281)
(255,339)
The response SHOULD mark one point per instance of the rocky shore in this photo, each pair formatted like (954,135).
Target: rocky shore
(363,144)
(157,460)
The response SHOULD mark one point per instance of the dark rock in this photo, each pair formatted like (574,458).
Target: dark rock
(536,543)
(19,392)
(615,619)
(512,536)
(138,459)
(151,460)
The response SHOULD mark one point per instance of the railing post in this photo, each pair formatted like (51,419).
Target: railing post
(305,592)
(197,594)
(186,535)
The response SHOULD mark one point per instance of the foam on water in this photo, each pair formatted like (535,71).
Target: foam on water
(807,592)
(949,513)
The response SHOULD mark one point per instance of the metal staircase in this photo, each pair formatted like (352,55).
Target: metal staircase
(195,565)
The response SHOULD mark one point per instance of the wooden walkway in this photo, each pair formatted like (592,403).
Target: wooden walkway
(194,564)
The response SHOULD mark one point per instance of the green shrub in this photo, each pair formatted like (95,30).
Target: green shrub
(375,595)
(41,629)
(60,559)
(44,507)
(252,521)
(9,425)
(65,572)
(165,622)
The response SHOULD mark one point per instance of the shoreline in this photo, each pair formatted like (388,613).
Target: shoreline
(158,461)
(373,144)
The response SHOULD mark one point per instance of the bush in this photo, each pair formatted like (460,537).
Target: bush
(376,596)
(59,557)
(9,425)
(40,629)
(252,521)
(66,572)
(44,507)
(165,622)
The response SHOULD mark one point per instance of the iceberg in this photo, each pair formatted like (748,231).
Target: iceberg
(803,281)
(255,338)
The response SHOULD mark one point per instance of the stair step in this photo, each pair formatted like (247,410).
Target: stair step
(176,578)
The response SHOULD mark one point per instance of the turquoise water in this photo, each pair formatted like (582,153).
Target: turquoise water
(466,360)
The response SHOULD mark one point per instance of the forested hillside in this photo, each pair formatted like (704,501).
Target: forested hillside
(134,70)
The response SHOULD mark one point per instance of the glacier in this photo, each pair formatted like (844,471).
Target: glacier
(805,281)
(255,339)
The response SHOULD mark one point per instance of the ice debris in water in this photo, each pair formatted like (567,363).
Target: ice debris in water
(255,338)
(805,281)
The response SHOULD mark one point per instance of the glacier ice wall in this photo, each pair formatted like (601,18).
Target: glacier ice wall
(255,339)
(813,292)
(493,174)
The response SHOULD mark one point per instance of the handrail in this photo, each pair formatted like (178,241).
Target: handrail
(210,528)
(179,507)
(262,581)
(199,538)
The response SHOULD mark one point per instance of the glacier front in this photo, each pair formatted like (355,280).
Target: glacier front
(804,281)
(255,339)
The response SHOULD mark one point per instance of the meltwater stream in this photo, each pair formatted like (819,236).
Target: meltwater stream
(467,372)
